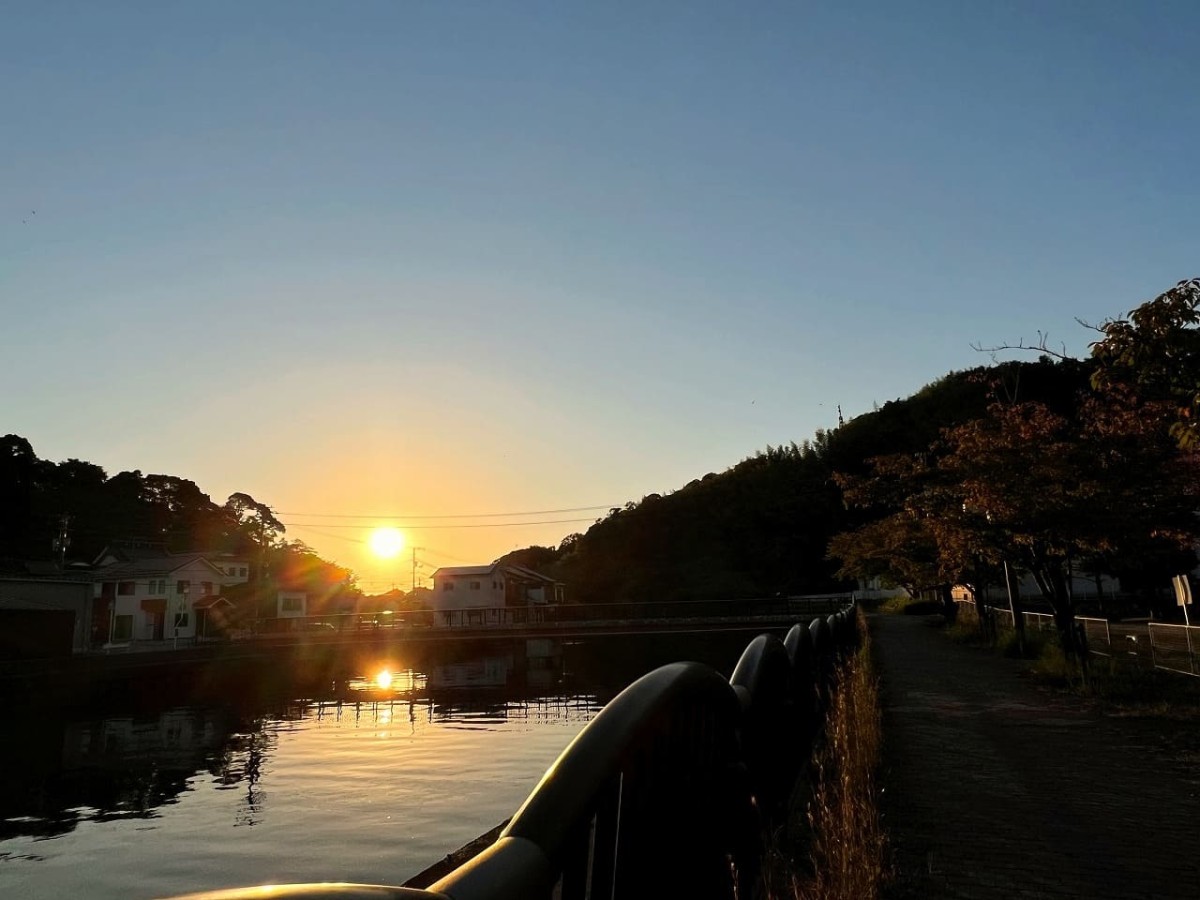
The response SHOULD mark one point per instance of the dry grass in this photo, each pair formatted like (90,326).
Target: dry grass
(833,847)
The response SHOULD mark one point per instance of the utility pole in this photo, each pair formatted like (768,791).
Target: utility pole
(414,569)
(63,540)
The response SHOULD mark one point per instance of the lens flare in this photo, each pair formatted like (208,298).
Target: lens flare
(384,679)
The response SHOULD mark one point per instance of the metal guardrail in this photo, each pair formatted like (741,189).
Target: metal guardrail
(663,793)
(1175,648)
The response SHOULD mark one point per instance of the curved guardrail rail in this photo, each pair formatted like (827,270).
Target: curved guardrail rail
(664,793)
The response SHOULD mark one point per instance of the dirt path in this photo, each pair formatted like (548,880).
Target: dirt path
(994,788)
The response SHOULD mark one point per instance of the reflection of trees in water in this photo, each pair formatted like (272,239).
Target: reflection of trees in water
(240,764)
(55,774)
(250,807)
(56,771)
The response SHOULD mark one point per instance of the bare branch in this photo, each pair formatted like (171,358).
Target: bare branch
(1090,327)
(1042,347)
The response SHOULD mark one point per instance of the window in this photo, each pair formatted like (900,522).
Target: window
(206,588)
(122,628)
(181,587)
(293,604)
(182,619)
(474,585)
(125,588)
(244,571)
(447,585)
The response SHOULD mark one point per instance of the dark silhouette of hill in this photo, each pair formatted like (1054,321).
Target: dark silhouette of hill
(762,527)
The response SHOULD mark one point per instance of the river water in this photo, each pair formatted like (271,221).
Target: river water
(370,777)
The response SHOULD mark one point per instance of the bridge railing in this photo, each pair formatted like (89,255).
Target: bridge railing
(665,793)
(549,615)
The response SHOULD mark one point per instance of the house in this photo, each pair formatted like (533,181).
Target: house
(291,604)
(142,592)
(492,588)
(44,611)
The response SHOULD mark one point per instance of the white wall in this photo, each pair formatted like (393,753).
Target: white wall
(490,592)
(196,574)
(236,571)
(293,596)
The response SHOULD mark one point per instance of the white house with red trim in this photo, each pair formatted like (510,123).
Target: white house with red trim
(144,593)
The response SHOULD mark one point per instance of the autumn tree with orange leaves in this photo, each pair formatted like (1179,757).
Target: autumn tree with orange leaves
(1107,478)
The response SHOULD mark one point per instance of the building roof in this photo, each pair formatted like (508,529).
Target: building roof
(39,570)
(523,574)
(519,573)
(130,551)
(154,565)
(210,601)
(465,570)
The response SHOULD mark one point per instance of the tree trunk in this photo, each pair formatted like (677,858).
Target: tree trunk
(1013,587)
(982,612)
(1060,599)
(949,607)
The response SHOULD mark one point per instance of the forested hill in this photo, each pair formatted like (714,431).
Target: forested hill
(763,526)
(759,528)
(44,504)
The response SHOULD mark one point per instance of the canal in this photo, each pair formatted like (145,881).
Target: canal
(369,770)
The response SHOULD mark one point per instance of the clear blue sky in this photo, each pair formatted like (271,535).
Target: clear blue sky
(472,257)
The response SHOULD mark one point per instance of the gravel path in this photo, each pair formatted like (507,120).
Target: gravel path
(995,788)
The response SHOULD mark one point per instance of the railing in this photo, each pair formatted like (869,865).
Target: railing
(1098,635)
(1097,631)
(1175,648)
(550,615)
(664,793)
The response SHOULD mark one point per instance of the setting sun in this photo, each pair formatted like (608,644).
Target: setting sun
(384,679)
(386,542)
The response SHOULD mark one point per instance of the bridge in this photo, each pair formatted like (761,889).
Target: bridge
(666,792)
(545,621)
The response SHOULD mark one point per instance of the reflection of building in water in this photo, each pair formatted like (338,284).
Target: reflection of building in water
(178,738)
(486,671)
(533,663)
(543,662)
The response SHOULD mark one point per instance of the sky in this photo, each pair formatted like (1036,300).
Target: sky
(374,261)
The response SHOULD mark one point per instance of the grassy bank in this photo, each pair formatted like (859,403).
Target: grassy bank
(832,846)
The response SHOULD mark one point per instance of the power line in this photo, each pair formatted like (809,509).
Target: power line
(340,537)
(500,515)
(430,527)
(445,555)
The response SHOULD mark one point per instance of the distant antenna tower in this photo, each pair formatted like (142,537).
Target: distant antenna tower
(841,421)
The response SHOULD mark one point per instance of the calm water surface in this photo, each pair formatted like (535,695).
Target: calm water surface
(355,782)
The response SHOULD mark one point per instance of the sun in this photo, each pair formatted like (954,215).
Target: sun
(386,542)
